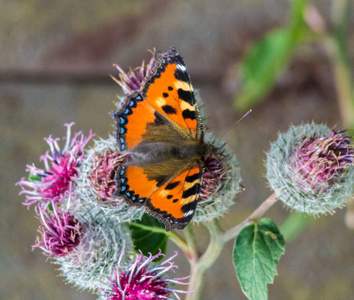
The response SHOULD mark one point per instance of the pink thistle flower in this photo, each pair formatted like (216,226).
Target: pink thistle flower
(60,231)
(319,162)
(60,168)
(144,281)
(103,174)
(132,80)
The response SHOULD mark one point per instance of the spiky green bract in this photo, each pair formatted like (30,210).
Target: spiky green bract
(89,197)
(101,245)
(221,182)
(309,194)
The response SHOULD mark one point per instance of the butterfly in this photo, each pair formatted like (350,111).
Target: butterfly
(159,129)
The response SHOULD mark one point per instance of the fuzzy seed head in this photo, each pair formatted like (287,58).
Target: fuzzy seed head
(319,162)
(221,181)
(310,168)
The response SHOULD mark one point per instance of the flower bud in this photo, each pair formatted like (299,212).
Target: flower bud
(310,168)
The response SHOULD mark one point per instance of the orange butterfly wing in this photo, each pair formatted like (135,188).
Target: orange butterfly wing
(162,117)
(175,202)
(169,90)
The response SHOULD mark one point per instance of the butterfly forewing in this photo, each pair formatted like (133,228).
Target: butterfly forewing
(169,90)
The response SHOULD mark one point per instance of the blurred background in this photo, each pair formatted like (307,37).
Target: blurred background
(55,62)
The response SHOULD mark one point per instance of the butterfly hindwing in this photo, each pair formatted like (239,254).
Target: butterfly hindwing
(133,185)
(174,203)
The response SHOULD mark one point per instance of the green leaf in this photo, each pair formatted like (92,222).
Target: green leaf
(257,251)
(261,65)
(149,235)
(268,57)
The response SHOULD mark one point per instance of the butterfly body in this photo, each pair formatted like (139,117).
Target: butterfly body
(159,129)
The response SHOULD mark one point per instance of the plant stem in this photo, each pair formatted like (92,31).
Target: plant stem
(214,249)
(256,215)
(205,262)
(199,265)
(196,278)
(338,48)
(191,244)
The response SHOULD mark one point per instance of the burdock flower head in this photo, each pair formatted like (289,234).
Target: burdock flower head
(132,80)
(145,281)
(96,183)
(221,181)
(60,168)
(60,231)
(213,174)
(311,169)
(103,174)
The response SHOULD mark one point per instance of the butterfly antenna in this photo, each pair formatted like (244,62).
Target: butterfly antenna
(239,120)
(242,187)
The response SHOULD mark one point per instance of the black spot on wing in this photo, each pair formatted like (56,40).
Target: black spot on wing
(172,185)
(186,96)
(189,114)
(165,95)
(169,196)
(181,75)
(168,109)
(170,88)
(193,177)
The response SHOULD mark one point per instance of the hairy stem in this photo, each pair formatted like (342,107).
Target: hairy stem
(195,279)
(256,215)
(199,267)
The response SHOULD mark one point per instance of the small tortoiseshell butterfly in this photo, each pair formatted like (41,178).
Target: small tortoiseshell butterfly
(159,129)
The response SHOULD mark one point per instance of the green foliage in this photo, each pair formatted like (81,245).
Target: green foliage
(149,235)
(257,251)
(295,224)
(268,57)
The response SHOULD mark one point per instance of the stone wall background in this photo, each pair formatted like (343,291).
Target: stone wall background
(55,61)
